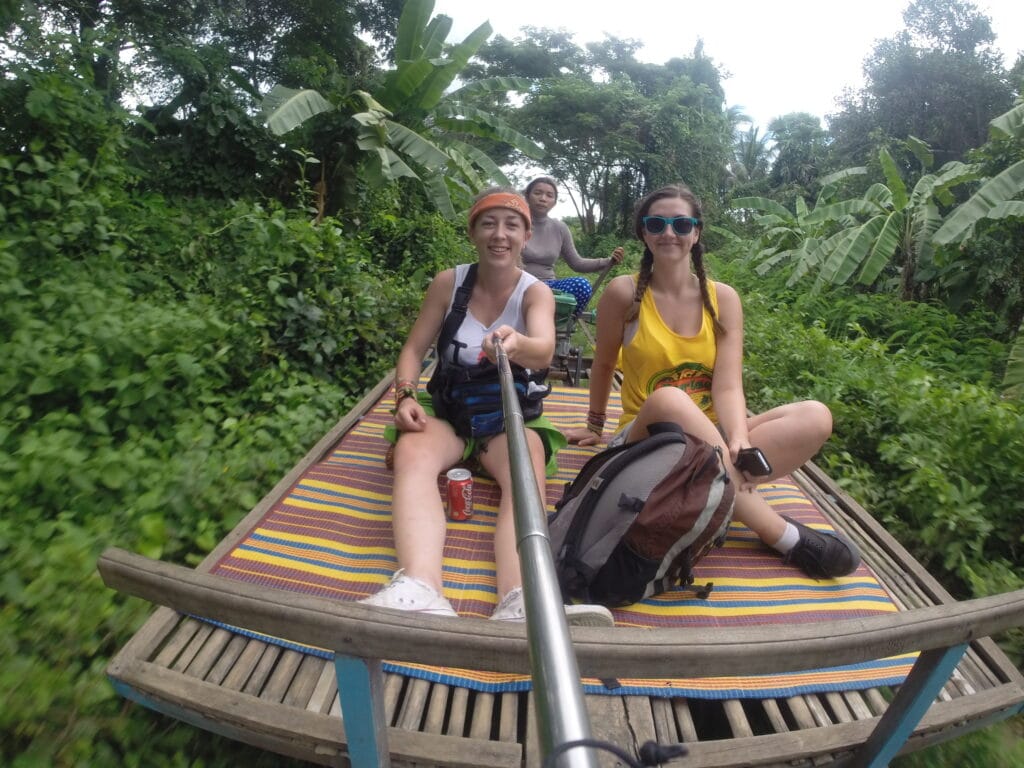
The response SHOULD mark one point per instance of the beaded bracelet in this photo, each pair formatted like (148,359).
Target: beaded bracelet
(595,422)
(404,388)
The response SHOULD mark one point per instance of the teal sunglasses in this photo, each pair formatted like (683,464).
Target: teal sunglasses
(681,225)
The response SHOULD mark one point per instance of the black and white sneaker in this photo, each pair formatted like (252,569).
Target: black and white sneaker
(822,555)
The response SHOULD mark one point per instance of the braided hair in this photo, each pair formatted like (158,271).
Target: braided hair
(681,192)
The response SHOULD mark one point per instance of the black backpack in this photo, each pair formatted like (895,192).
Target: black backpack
(639,516)
(469,396)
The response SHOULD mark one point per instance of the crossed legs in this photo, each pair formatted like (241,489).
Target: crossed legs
(788,435)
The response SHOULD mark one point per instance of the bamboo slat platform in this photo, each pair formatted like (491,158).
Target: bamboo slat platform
(287,702)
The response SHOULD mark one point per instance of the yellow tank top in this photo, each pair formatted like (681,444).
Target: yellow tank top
(656,357)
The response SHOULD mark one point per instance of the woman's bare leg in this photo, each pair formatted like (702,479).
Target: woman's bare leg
(791,434)
(496,461)
(418,514)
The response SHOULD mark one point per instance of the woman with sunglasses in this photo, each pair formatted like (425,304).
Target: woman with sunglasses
(551,240)
(678,339)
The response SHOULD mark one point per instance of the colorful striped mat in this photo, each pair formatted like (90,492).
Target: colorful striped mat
(330,536)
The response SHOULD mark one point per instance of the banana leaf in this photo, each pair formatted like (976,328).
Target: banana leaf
(412,25)
(1000,189)
(287,108)
(885,245)
(895,181)
(853,252)
(415,146)
(841,210)
(761,204)
(1008,125)
(476,122)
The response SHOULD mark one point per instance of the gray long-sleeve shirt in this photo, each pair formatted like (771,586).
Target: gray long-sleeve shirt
(551,238)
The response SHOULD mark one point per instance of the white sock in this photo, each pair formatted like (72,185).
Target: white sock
(788,540)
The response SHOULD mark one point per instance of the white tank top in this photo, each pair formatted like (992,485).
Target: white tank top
(472,332)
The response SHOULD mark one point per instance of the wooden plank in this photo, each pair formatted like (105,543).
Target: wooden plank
(817,710)
(857,705)
(738,723)
(262,671)
(291,731)
(458,712)
(609,721)
(664,723)
(508,725)
(177,642)
(362,630)
(482,716)
(531,740)
(393,685)
(801,712)
(640,720)
(684,719)
(243,669)
(325,692)
(304,681)
(193,648)
(775,716)
(209,653)
(414,703)
(840,712)
(434,721)
(227,660)
(151,635)
(281,675)
(878,703)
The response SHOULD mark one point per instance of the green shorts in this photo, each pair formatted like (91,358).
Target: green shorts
(550,437)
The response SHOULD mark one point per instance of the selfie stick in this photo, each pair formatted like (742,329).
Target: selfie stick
(561,713)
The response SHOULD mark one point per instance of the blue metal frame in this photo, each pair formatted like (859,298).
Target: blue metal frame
(361,691)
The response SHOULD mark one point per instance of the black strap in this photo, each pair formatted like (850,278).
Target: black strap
(458,311)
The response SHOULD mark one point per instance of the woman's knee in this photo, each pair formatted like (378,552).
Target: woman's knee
(818,417)
(669,402)
(419,450)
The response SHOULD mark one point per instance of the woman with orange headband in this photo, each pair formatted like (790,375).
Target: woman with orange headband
(507,303)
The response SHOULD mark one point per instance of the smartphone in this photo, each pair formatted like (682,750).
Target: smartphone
(753,462)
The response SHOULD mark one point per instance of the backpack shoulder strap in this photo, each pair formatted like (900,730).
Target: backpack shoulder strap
(457,314)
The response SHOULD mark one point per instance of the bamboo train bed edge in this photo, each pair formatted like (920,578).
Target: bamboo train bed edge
(286,702)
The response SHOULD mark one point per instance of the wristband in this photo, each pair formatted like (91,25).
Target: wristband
(404,389)
(595,422)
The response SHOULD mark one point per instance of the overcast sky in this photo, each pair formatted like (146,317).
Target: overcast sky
(781,56)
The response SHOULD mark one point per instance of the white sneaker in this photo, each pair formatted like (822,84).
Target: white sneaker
(405,593)
(512,608)
(587,615)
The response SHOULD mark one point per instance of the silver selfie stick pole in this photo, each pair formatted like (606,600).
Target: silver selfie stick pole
(561,712)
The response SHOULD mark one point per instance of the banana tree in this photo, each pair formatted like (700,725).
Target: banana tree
(888,223)
(788,237)
(994,199)
(415,126)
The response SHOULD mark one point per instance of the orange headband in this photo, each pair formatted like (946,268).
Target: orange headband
(508,200)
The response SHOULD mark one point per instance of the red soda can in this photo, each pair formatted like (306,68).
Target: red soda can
(460,494)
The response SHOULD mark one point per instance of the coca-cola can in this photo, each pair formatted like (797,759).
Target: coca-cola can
(460,494)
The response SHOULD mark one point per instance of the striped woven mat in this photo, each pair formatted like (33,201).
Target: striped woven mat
(330,536)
